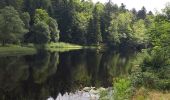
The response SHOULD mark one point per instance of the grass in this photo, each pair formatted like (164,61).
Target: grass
(147,94)
(27,49)
(16,50)
(62,47)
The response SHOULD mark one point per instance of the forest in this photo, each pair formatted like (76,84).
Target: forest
(84,23)
(75,21)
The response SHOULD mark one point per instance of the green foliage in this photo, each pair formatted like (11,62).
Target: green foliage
(166,10)
(53,27)
(31,5)
(26,19)
(152,81)
(122,89)
(81,17)
(139,33)
(124,26)
(96,25)
(106,20)
(11,26)
(41,16)
(121,31)
(17,4)
(45,28)
(142,13)
(152,72)
(41,33)
(83,22)
(113,36)
(155,66)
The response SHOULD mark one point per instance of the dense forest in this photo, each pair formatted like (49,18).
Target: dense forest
(85,23)
(75,21)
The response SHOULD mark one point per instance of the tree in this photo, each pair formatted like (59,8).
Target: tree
(17,4)
(2,4)
(64,15)
(122,8)
(26,19)
(106,18)
(90,32)
(54,32)
(41,33)
(82,15)
(159,32)
(98,9)
(12,27)
(41,16)
(31,5)
(139,32)
(166,10)
(124,27)
(134,12)
(113,37)
(159,38)
(142,13)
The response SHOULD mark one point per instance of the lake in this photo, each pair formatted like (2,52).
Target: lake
(53,74)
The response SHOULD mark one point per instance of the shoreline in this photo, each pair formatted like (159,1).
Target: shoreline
(30,49)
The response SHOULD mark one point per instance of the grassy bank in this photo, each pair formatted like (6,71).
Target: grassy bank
(16,50)
(62,47)
(29,49)
(32,49)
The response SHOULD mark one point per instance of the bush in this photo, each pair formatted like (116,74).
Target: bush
(122,89)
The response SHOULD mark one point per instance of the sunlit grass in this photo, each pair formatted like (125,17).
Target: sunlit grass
(62,47)
(10,49)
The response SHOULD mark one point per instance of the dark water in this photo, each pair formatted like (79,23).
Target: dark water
(45,74)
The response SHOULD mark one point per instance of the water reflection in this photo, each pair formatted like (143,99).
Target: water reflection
(45,74)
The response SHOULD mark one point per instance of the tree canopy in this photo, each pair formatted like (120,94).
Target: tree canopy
(76,21)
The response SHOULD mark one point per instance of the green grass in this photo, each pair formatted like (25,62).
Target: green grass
(28,49)
(16,50)
(62,47)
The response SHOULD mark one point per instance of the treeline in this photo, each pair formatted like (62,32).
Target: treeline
(75,21)
(154,69)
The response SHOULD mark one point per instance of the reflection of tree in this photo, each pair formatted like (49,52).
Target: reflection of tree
(114,64)
(93,63)
(42,66)
(12,71)
(80,73)
(35,77)
(23,78)
(61,80)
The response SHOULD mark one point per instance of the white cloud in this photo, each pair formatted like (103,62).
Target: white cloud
(149,4)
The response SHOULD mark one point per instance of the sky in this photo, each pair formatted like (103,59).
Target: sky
(150,5)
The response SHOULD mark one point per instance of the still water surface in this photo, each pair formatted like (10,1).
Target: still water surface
(46,74)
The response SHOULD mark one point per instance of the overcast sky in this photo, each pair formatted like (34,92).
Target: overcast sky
(149,4)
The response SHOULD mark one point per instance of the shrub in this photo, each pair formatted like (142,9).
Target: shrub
(122,89)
